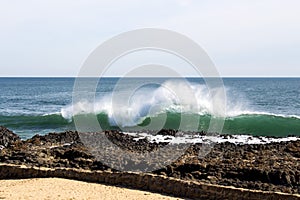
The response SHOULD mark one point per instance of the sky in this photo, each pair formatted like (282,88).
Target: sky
(242,37)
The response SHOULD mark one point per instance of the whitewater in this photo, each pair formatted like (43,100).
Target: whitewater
(263,107)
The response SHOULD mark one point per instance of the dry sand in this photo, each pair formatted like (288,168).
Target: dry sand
(55,188)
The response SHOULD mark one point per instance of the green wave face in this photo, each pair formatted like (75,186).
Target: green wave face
(259,125)
(255,124)
(25,121)
(263,125)
(27,126)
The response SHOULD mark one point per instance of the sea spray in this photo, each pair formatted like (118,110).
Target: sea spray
(254,106)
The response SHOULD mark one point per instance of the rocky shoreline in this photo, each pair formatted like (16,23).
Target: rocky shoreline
(271,167)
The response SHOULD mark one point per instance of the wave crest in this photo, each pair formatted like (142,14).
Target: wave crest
(171,96)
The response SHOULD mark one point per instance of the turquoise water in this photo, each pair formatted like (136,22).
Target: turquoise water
(257,106)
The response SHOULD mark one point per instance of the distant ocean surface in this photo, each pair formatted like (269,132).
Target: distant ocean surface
(256,106)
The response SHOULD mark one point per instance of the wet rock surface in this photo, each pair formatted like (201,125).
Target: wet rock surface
(269,167)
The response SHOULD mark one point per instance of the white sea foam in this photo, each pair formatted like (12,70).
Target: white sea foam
(207,139)
(248,112)
(172,95)
(52,113)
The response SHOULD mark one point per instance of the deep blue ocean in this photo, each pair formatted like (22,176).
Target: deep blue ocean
(256,106)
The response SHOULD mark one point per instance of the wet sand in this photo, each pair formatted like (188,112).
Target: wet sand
(55,188)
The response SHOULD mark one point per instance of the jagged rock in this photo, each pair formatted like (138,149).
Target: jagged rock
(168,132)
(53,138)
(7,137)
(270,167)
(128,143)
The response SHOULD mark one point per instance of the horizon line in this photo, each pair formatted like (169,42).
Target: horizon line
(150,77)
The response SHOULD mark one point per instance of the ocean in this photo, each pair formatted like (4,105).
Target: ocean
(254,106)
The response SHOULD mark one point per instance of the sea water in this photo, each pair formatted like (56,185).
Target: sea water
(254,106)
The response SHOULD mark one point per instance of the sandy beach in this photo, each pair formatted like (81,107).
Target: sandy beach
(55,188)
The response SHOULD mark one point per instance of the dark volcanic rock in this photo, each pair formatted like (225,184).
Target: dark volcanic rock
(53,138)
(269,167)
(168,132)
(7,137)
(127,142)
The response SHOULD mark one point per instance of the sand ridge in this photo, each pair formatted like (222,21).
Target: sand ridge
(57,188)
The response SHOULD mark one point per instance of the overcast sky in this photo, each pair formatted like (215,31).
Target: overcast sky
(242,37)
